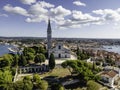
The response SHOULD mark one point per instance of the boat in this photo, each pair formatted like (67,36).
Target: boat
(13,50)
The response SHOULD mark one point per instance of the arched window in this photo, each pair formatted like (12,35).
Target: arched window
(59,55)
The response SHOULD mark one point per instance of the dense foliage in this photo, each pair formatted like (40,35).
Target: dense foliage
(84,70)
(9,63)
(27,83)
(81,54)
(39,58)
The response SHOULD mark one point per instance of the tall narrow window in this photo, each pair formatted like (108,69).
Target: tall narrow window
(59,55)
(59,47)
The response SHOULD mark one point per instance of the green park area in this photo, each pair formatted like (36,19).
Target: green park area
(59,72)
(71,74)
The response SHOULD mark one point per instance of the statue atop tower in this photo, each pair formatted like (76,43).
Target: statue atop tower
(49,36)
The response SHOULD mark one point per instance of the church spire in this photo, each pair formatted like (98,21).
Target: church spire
(49,26)
(49,35)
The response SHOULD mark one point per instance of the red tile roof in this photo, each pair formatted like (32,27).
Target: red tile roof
(110,73)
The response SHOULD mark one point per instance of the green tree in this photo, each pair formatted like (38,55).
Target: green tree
(36,78)
(82,55)
(28,85)
(5,77)
(43,85)
(30,56)
(52,61)
(70,65)
(18,85)
(39,58)
(25,51)
(30,50)
(22,60)
(83,69)
(41,49)
(15,62)
(78,52)
(5,80)
(6,60)
(94,66)
(4,63)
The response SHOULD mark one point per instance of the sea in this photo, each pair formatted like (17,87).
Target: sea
(4,49)
(110,48)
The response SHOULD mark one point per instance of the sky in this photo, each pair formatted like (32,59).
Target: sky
(69,18)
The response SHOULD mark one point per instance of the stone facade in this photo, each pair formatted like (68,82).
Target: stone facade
(60,51)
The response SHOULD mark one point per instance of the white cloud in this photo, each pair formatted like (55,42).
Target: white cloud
(3,15)
(58,14)
(64,18)
(79,3)
(78,18)
(29,2)
(100,12)
(45,4)
(109,14)
(39,18)
(37,9)
(40,11)
(37,12)
(60,11)
(15,10)
(78,15)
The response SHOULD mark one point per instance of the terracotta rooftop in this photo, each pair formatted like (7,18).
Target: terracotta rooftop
(110,73)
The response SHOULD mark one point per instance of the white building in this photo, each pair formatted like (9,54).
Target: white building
(60,51)
(110,76)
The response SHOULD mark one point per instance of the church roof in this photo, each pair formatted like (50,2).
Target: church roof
(110,73)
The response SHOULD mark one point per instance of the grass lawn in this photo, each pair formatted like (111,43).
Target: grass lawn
(1,58)
(60,72)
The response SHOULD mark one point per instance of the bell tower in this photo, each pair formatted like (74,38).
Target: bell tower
(49,35)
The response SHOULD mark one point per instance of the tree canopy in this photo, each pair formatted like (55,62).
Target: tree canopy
(83,69)
(39,58)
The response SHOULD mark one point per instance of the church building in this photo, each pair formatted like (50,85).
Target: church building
(59,50)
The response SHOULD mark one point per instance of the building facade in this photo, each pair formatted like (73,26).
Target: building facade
(59,50)
(110,76)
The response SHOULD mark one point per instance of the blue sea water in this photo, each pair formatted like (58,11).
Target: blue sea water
(4,49)
(114,48)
